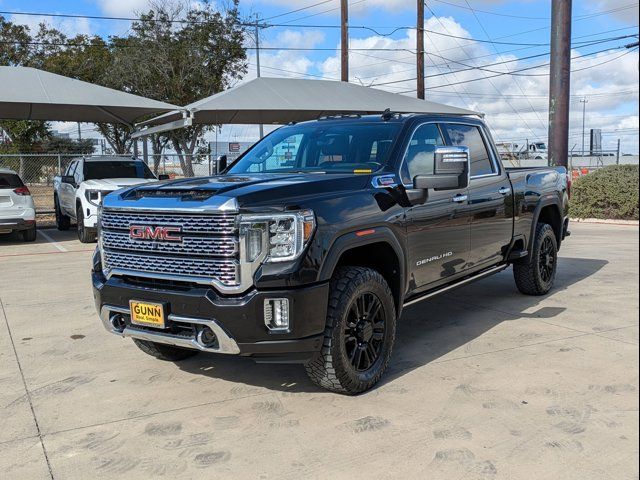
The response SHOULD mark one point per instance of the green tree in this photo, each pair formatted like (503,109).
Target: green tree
(181,62)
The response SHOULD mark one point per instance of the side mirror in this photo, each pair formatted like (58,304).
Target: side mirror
(222,163)
(68,179)
(451,170)
(164,176)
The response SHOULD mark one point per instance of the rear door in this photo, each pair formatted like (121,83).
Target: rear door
(438,230)
(490,196)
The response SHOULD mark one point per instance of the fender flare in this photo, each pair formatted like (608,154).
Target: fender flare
(549,202)
(351,240)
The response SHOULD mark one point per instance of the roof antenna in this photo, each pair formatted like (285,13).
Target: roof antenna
(387,115)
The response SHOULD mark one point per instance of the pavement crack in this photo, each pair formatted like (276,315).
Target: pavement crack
(26,389)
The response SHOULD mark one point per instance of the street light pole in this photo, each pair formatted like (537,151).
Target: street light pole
(257,39)
(584,102)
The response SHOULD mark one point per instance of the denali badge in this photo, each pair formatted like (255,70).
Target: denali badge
(145,232)
(433,259)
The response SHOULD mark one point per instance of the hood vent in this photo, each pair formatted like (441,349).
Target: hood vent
(187,195)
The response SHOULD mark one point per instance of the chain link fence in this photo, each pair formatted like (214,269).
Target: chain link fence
(37,171)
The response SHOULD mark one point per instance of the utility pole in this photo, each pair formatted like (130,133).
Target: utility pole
(79,133)
(344,42)
(560,82)
(584,102)
(257,39)
(420,50)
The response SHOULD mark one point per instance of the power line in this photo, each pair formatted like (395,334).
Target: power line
(491,13)
(532,68)
(298,10)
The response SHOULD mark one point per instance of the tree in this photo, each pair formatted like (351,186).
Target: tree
(181,62)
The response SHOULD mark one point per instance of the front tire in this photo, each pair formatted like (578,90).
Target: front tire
(85,234)
(63,222)
(161,351)
(536,276)
(359,334)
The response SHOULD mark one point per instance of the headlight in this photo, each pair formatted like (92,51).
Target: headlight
(92,196)
(279,237)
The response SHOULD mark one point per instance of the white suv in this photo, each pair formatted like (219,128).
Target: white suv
(79,192)
(17,212)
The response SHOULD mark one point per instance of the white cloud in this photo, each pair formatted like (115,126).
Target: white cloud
(516,106)
(626,12)
(68,26)
(122,8)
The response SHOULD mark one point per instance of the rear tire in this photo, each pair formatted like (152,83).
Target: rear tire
(85,234)
(63,222)
(359,334)
(161,351)
(30,234)
(537,275)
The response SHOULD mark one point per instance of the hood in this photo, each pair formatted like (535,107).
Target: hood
(115,183)
(243,191)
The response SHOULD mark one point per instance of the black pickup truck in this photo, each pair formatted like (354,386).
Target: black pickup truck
(308,248)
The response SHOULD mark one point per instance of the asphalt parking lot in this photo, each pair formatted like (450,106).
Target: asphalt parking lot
(484,383)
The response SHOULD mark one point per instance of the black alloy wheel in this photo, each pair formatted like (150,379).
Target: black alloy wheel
(547,260)
(364,331)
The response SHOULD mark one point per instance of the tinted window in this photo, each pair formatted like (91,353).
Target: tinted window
(322,147)
(10,180)
(470,136)
(420,156)
(116,169)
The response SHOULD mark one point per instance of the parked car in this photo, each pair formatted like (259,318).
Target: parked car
(79,192)
(17,212)
(308,248)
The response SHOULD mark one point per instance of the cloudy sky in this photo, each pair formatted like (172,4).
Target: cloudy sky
(508,39)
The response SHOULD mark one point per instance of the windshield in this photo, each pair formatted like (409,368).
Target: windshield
(322,148)
(116,169)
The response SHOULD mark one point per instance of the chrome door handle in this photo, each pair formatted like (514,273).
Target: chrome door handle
(504,190)
(460,198)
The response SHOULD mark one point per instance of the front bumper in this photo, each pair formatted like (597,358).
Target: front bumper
(238,322)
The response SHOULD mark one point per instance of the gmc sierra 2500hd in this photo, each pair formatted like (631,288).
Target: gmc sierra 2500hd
(310,245)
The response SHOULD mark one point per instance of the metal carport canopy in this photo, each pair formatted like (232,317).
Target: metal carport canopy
(283,100)
(31,94)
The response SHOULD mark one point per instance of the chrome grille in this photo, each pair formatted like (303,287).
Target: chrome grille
(225,271)
(208,252)
(218,224)
(201,246)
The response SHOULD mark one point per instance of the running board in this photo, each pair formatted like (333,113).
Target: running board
(448,288)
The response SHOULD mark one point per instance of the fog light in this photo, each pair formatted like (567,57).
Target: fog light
(276,314)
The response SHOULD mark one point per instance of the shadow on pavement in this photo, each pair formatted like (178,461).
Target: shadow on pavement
(426,331)
(15,238)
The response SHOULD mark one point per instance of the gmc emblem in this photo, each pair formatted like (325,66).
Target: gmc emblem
(162,234)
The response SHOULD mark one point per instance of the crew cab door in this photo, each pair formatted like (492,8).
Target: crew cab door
(438,230)
(490,195)
(67,192)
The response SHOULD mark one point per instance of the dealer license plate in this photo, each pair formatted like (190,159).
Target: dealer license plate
(147,314)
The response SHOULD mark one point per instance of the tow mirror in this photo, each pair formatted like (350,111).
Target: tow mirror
(222,163)
(451,170)
(68,179)
(163,176)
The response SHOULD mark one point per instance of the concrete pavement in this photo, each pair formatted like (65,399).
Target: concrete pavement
(484,383)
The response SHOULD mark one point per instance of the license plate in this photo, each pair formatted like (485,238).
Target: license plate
(147,314)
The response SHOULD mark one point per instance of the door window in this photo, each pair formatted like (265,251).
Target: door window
(420,156)
(470,136)
(71,168)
